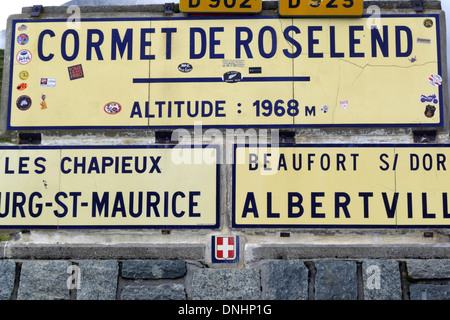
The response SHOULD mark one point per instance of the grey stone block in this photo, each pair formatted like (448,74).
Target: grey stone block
(336,280)
(98,279)
(284,280)
(7,276)
(226,284)
(429,292)
(107,252)
(153,269)
(428,269)
(160,292)
(382,280)
(43,280)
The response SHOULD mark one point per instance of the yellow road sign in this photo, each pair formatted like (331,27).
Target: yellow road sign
(109,187)
(320,8)
(341,186)
(231,6)
(226,72)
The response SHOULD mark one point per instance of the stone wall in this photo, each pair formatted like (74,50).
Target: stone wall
(323,279)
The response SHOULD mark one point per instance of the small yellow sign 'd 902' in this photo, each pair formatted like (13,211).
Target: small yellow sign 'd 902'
(231,6)
(321,7)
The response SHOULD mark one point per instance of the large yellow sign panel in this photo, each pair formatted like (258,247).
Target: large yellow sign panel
(111,187)
(227,72)
(342,186)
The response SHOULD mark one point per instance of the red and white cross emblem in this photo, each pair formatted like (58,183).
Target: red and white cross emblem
(225,248)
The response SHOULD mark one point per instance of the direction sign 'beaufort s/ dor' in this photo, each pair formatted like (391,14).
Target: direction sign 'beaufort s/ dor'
(301,186)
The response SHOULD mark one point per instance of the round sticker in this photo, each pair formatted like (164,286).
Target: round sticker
(435,80)
(22,39)
(23,103)
(185,67)
(24,75)
(23,57)
(112,108)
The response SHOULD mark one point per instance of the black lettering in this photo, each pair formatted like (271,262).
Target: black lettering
(243,43)
(295,204)
(94,45)
(155,166)
(152,204)
(252,161)
(341,205)
(331,4)
(23,164)
(174,204)
(61,204)
(38,206)
(366,196)
(425,213)
(6,197)
(119,206)
(445,212)
(398,41)
(193,204)
(18,202)
(315,204)
(117,43)
(41,45)
(40,167)
(271,214)
(139,205)
(390,209)
(76,45)
(100,205)
(194,3)
(293,3)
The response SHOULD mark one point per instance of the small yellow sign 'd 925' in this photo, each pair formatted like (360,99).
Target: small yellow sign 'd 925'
(231,6)
(309,8)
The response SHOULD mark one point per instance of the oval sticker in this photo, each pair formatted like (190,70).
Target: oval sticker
(232,76)
(23,103)
(185,67)
(112,108)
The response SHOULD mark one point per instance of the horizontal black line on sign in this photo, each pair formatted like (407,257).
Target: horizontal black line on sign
(215,79)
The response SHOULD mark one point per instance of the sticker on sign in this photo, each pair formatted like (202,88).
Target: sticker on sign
(321,8)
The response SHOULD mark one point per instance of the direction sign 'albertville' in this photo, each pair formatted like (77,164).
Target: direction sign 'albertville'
(252,71)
